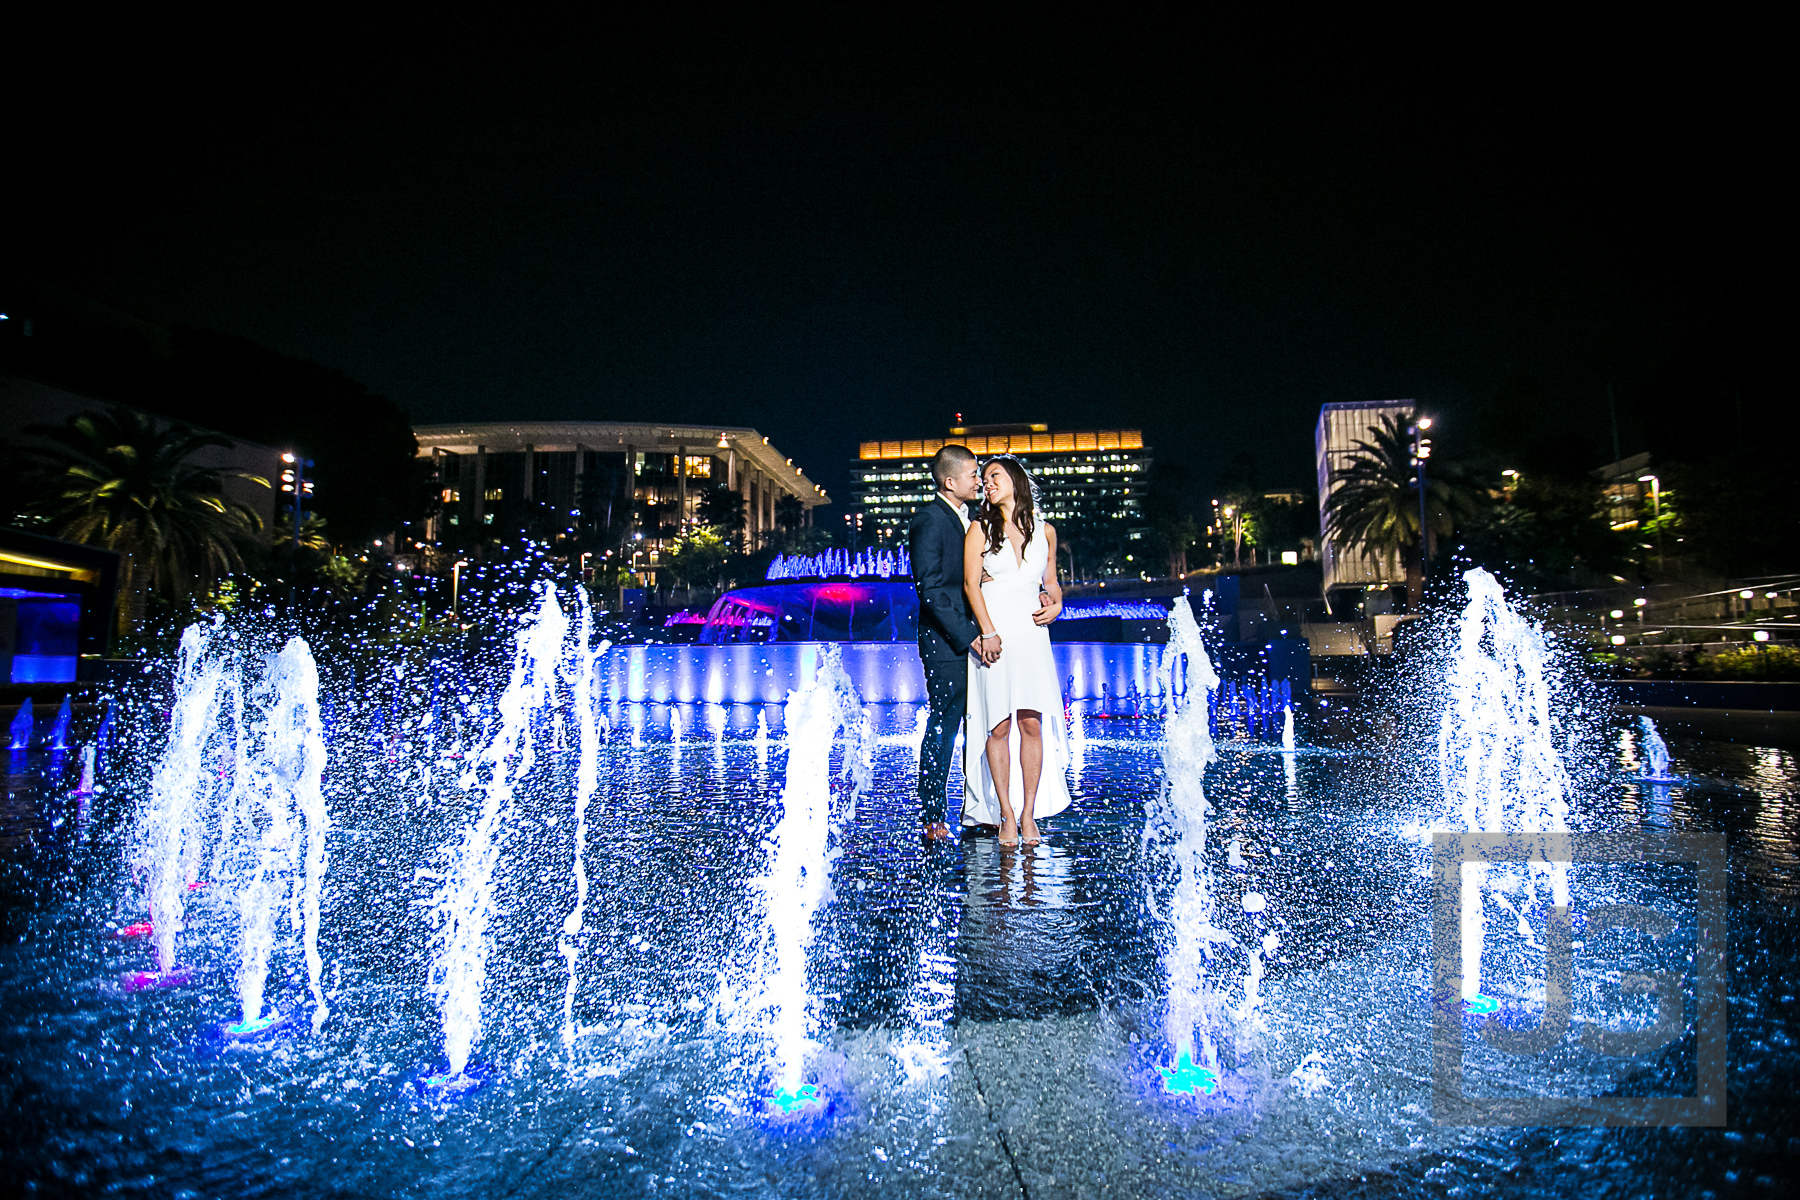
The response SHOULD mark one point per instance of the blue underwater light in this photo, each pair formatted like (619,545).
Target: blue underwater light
(805,1096)
(252,1028)
(1481,1005)
(1186,1077)
(442,1087)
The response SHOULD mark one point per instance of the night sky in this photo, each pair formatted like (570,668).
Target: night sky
(836,233)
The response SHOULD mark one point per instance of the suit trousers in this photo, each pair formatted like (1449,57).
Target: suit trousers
(947,685)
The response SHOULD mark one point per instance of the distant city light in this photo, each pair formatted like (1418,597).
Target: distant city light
(1640,602)
(1618,612)
(1747,594)
(1618,639)
(1761,635)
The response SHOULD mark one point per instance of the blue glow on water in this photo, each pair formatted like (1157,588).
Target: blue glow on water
(883,672)
(441,1087)
(1481,1005)
(1187,1077)
(244,1029)
(805,1096)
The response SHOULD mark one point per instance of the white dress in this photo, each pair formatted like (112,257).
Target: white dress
(1024,678)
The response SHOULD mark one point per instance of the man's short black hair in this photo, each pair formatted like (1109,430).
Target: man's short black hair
(947,462)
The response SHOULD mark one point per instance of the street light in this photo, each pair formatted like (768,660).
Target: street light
(455,585)
(1421,450)
(294,479)
(1656,506)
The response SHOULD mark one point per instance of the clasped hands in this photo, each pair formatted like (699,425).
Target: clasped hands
(987,648)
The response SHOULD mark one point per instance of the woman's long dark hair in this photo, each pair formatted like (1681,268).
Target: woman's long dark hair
(1024,511)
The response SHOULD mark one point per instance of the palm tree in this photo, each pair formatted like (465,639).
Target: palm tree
(1374,501)
(119,479)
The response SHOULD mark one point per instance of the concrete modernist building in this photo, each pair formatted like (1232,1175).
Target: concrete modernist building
(1341,427)
(1090,475)
(494,470)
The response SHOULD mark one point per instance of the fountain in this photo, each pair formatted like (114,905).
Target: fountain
(169,836)
(19,735)
(463,903)
(864,1032)
(773,996)
(1497,756)
(1656,754)
(247,781)
(59,731)
(1176,827)
(282,757)
(579,676)
(87,786)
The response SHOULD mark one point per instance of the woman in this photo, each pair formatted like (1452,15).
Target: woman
(1009,558)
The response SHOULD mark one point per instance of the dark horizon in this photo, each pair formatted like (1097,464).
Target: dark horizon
(858,240)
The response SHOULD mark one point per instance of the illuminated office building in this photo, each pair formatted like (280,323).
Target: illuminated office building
(1095,479)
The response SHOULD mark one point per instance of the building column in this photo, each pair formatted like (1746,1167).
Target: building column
(480,488)
(578,502)
(530,471)
(749,510)
(630,501)
(434,530)
(680,488)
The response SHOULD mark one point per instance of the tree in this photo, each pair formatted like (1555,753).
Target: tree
(698,557)
(120,480)
(1276,523)
(1375,501)
(370,479)
(724,510)
(605,508)
(1545,533)
(1173,530)
(790,514)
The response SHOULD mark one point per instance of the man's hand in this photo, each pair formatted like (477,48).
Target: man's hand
(989,649)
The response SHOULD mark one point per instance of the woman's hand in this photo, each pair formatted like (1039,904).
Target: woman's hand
(988,648)
(1049,608)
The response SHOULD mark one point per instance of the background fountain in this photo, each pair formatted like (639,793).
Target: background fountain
(1656,753)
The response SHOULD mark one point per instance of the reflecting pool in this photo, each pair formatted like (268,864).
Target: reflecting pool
(990,1019)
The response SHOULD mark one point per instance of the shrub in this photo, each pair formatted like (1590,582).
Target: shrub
(1752,662)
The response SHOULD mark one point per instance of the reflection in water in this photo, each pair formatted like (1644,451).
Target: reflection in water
(1020,949)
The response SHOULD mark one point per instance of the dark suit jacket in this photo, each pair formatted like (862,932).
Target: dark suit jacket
(935,541)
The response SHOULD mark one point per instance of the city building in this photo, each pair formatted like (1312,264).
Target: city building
(508,474)
(1629,488)
(1340,428)
(1092,478)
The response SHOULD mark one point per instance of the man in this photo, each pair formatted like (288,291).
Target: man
(946,630)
